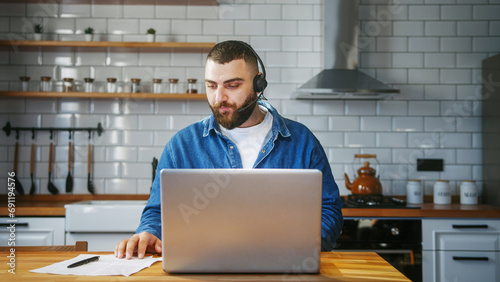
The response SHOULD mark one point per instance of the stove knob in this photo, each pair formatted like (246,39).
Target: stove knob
(395,231)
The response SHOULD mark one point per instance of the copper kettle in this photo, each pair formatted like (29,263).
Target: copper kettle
(367,181)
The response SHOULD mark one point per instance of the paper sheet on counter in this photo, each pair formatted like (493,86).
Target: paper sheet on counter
(106,265)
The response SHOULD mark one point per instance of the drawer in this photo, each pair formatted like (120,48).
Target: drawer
(462,225)
(473,235)
(466,242)
(461,266)
(32,231)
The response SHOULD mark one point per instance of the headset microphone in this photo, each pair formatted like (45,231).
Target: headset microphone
(249,105)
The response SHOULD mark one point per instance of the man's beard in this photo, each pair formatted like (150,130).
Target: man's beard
(236,118)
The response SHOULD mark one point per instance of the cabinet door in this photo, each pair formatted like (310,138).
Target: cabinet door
(39,231)
(467,266)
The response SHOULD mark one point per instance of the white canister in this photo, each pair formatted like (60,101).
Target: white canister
(442,193)
(468,192)
(414,192)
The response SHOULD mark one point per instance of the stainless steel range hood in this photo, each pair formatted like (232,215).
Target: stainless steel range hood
(341,78)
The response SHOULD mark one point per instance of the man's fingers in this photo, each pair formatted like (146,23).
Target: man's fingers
(120,248)
(131,246)
(143,245)
(158,246)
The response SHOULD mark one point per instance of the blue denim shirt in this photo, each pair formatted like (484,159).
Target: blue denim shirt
(289,144)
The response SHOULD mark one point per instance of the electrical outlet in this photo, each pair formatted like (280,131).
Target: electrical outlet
(430,164)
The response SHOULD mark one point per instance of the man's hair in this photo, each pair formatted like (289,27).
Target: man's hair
(227,51)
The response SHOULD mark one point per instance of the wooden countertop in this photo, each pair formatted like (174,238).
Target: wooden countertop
(53,205)
(338,266)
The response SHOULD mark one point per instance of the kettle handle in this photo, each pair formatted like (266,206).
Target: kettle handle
(366,156)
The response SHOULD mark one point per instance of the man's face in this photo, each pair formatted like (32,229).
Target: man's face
(229,88)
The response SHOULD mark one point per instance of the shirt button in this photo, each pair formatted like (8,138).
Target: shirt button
(231,147)
(263,151)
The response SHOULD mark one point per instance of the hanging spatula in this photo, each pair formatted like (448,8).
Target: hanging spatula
(19,187)
(90,185)
(32,169)
(69,178)
(51,187)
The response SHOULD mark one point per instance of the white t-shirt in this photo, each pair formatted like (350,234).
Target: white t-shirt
(249,140)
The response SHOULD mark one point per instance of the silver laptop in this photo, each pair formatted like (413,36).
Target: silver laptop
(241,220)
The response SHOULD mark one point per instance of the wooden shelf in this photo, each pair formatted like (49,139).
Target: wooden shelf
(98,95)
(120,2)
(103,46)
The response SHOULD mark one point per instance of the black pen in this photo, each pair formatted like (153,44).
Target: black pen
(82,262)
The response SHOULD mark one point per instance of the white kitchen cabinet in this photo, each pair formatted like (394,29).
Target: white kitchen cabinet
(102,223)
(461,250)
(32,231)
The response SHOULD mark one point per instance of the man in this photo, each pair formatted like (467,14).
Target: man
(240,133)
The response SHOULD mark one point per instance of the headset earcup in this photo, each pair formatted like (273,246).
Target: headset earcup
(259,83)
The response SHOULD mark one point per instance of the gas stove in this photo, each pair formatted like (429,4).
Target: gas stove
(376,201)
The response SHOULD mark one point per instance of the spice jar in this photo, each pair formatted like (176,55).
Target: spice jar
(111,85)
(25,81)
(191,87)
(45,83)
(414,192)
(173,85)
(136,85)
(68,84)
(468,192)
(157,86)
(442,193)
(89,85)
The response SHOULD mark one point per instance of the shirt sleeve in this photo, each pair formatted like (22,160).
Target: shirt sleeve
(151,215)
(331,214)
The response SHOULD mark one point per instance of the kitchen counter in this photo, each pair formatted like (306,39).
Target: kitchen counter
(53,205)
(338,266)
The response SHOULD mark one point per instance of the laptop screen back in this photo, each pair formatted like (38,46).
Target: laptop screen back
(238,220)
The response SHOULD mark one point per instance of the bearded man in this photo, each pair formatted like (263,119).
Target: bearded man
(243,132)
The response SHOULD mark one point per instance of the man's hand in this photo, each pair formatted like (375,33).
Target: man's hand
(140,243)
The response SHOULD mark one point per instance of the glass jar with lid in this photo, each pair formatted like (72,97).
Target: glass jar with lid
(136,85)
(192,87)
(45,83)
(88,86)
(68,84)
(25,81)
(173,85)
(157,85)
(111,85)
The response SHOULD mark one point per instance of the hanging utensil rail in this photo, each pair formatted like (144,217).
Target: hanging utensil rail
(8,129)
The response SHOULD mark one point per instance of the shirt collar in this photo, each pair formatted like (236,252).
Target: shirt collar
(278,122)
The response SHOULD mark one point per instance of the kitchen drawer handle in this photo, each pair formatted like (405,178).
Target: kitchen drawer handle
(2,224)
(471,258)
(483,226)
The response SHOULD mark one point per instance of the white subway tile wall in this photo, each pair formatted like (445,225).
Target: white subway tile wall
(431,50)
